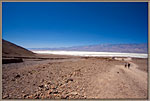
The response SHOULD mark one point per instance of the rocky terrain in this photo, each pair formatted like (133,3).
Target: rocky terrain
(76,78)
(38,76)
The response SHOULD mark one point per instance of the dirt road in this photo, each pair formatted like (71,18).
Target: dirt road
(119,82)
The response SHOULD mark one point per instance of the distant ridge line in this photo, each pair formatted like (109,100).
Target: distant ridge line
(122,48)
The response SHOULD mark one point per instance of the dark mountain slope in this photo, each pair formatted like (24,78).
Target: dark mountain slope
(11,50)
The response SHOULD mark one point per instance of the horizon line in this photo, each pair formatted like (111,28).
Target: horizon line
(88,45)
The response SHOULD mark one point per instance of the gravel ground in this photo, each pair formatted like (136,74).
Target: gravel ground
(74,78)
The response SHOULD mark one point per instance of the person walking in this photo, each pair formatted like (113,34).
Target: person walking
(128,65)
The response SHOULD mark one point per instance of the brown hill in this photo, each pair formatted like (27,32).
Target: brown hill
(12,50)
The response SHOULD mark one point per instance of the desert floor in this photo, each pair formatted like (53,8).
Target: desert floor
(75,78)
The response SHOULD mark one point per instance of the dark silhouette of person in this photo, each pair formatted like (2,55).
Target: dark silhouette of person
(128,65)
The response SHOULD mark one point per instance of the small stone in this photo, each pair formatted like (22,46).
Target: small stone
(42,81)
(65,97)
(17,76)
(74,93)
(55,92)
(60,84)
(50,92)
(30,97)
(25,95)
(46,87)
(70,79)
(53,87)
(30,72)
(41,86)
(37,97)
(49,83)
(5,96)
(13,79)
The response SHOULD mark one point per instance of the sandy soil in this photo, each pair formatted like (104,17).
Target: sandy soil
(75,78)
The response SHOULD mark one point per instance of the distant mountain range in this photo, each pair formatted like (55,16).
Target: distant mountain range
(123,48)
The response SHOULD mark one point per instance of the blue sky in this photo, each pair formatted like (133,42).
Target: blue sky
(52,24)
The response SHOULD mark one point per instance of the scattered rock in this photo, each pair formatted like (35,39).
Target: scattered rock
(70,79)
(17,76)
(50,91)
(5,96)
(37,95)
(49,83)
(60,84)
(25,95)
(55,92)
(46,87)
(53,87)
(41,86)
(78,70)
(30,72)
(42,81)
(64,96)
(73,93)
(13,79)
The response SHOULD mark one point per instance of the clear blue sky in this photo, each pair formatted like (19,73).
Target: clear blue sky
(52,24)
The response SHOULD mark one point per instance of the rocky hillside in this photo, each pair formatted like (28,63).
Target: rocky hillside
(11,50)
